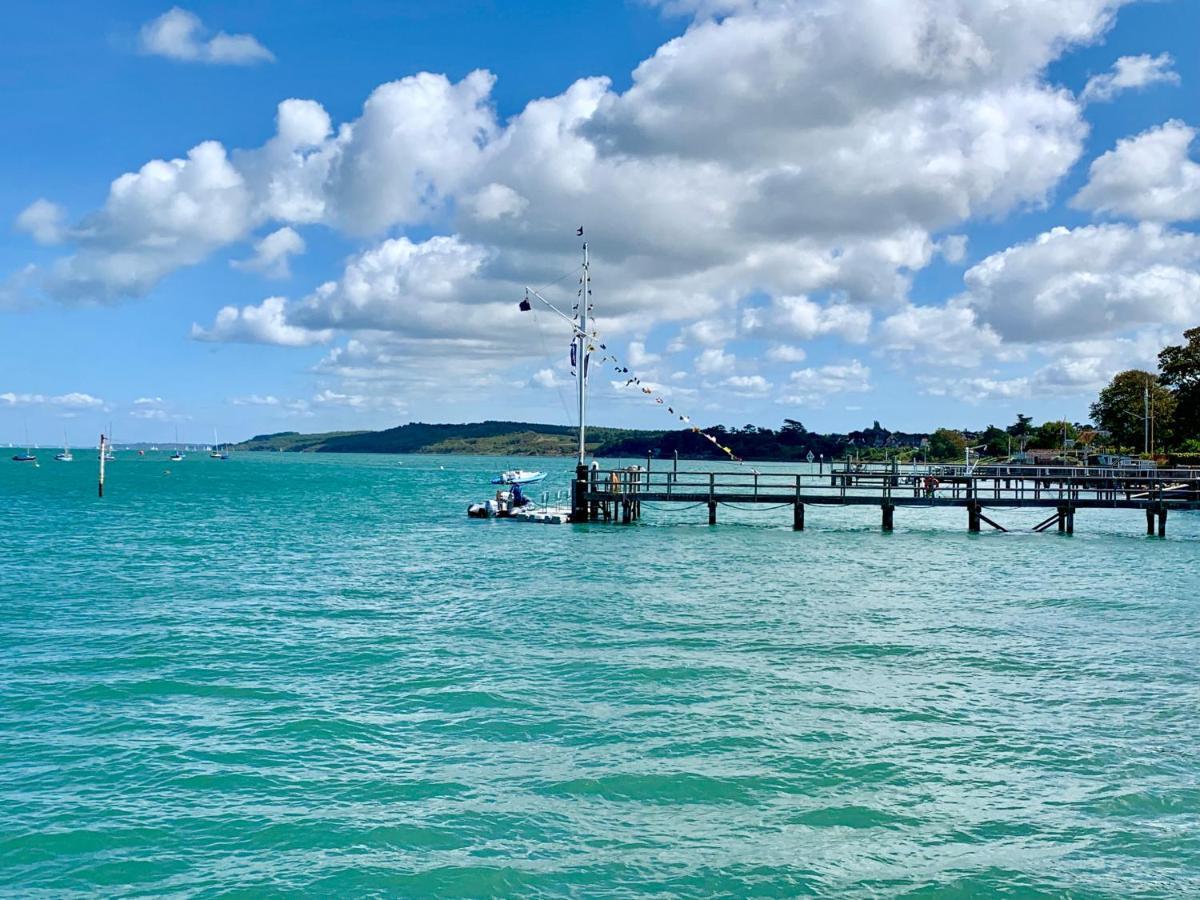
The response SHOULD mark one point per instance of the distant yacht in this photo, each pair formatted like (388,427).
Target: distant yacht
(216,452)
(26,456)
(65,456)
(176,456)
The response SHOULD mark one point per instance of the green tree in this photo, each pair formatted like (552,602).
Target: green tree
(996,439)
(947,444)
(1050,435)
(1022,427)
(1120,409)
(1180,368)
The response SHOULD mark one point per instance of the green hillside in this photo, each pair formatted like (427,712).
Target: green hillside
(476,438)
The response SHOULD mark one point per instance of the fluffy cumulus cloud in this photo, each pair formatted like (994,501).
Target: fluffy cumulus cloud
(1095,281)
(941,335)
(814,386)
(1148,176)
(779,173)
(166,215)
(180,35)
(272,253)
(261,324)
(1130,73)
(44,221)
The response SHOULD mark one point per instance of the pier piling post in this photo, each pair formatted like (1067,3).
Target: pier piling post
(579,505)
(973,517)
(1150,522)
(798,517)
(1162,522)
(103,451)
(888,510)
(712,512)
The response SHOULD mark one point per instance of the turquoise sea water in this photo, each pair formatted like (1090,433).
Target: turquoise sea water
(312,674)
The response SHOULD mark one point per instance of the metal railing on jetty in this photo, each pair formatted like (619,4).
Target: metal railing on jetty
(618,494)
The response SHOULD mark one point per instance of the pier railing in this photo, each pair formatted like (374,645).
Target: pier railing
(935,486)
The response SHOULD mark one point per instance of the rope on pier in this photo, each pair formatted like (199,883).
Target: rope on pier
(650,505)
(756,508)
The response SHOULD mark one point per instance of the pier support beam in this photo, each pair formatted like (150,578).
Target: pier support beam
(888,519)
(798,517)
(1066,520)
(712,512)
(973,517)
(1162,522)
(1150,522)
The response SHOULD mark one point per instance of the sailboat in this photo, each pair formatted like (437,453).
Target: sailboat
(176,456)
(109,456)
(65,456)
(26,456)
(216,452)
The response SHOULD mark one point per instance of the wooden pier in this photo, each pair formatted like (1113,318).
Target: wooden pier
(617,495)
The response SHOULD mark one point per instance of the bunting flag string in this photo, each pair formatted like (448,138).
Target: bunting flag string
(649,391)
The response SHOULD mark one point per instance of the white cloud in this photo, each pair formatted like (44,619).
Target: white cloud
(496,201)
(1149,176)
(148,401)
(761,154)
(262,324)
(1086,282)
(813,386)
(425,288)
(940,335)
(272,253)
(703,333)
(73,400)
(637,356)
(417,141)
(748,385)
(180,35)
(166,215)
(44,221)
(1128,73)
(714,361)
(256,400)
(802,319)
(953,248)
(150,414)
(547,378)
(786,353)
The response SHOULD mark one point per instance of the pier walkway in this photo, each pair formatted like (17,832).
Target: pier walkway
(617,495)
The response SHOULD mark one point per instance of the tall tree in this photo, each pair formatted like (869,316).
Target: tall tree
(946,444)
(1121,406)
(1180,371)
(1022,427)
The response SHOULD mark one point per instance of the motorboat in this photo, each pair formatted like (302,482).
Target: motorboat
(519,476)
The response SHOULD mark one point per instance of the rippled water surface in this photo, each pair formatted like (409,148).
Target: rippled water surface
(309,674)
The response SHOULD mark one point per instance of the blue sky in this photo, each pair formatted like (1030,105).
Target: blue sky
(795,209)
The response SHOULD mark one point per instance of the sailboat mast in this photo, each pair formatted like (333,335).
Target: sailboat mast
(581,340)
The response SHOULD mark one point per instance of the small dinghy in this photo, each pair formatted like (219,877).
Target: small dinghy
(519,476)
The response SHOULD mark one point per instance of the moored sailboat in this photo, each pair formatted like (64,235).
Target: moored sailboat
(65,456)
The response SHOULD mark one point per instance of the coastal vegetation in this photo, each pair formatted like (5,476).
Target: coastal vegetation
(1134,406)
